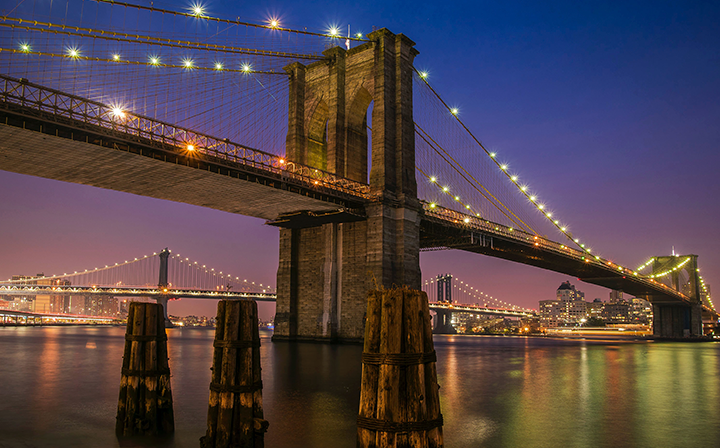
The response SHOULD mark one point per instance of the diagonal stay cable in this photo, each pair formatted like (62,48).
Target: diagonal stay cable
(473,178)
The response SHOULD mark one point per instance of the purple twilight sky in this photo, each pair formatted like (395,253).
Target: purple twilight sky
(609,110)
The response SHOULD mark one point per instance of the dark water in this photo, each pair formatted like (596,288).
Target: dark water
(59,388)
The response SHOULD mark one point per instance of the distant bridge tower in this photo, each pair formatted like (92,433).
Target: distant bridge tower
(673,320)
(444,288)
(443,318)
(325,271)
(163,283)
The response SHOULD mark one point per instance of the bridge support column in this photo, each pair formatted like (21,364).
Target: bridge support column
(325,272)
(443,325)
(677,321)
(163,300)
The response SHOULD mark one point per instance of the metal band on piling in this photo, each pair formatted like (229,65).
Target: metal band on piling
(398,359)
(374,424)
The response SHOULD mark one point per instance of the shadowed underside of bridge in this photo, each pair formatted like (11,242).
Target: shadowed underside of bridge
(340,234)
(69,150)
(437,233)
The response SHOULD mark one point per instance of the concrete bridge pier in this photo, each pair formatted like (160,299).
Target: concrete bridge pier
(326,271)
(443,320)
(163,300)
(677,321)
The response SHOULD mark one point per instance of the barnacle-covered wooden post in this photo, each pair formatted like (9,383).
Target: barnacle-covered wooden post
(235,413)
(399,401)
(145,405)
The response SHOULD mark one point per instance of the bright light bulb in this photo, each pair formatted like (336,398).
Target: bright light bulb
(454,111)
(73,52)
(190,148)
(563,228)
(433,179)
(25,47)
(333,32)
(467,206)
(457,198)
(117,112)
(541,206)
(197,10)
(116,57)
(218,66)
(154,60)
(423,75)
(274,23)
(432,205)
(492,154)
(445,189)
(514,178)
(187,63)
(503,167)
(246,68)
(466,220)
(532,198)
(359,35)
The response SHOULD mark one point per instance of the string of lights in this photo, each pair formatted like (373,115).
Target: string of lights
(504,168)
(153,61)
(115,36)
(198,10)
(476,294)
(221,276)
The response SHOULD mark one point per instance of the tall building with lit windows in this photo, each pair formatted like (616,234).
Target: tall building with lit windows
(568,308)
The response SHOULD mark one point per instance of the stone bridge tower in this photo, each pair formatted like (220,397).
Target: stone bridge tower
(326,271)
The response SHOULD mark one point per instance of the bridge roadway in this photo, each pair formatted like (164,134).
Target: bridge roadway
(130,291)
(47,133)
(40,290)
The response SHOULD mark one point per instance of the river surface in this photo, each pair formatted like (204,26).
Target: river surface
(59,388)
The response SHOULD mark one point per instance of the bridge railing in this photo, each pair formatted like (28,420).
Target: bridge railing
(124,123)
(471,222)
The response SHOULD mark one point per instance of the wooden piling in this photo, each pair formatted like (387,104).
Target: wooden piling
(235,414)
(399,402)
(145,404)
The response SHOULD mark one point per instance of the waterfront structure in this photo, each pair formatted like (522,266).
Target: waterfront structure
(355,224)
(568,307)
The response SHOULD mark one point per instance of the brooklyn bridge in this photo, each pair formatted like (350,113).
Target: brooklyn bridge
(341,142)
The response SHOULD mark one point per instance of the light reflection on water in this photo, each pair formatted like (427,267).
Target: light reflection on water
(59,387)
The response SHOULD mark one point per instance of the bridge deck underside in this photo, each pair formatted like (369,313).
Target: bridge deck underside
(64,152)
(436,234)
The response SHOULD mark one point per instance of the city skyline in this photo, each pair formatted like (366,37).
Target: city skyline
(608,112)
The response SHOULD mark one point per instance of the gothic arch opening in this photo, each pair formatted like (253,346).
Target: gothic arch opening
(358,142)
(317,147)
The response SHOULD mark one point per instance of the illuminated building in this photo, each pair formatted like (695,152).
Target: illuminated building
(569,307)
